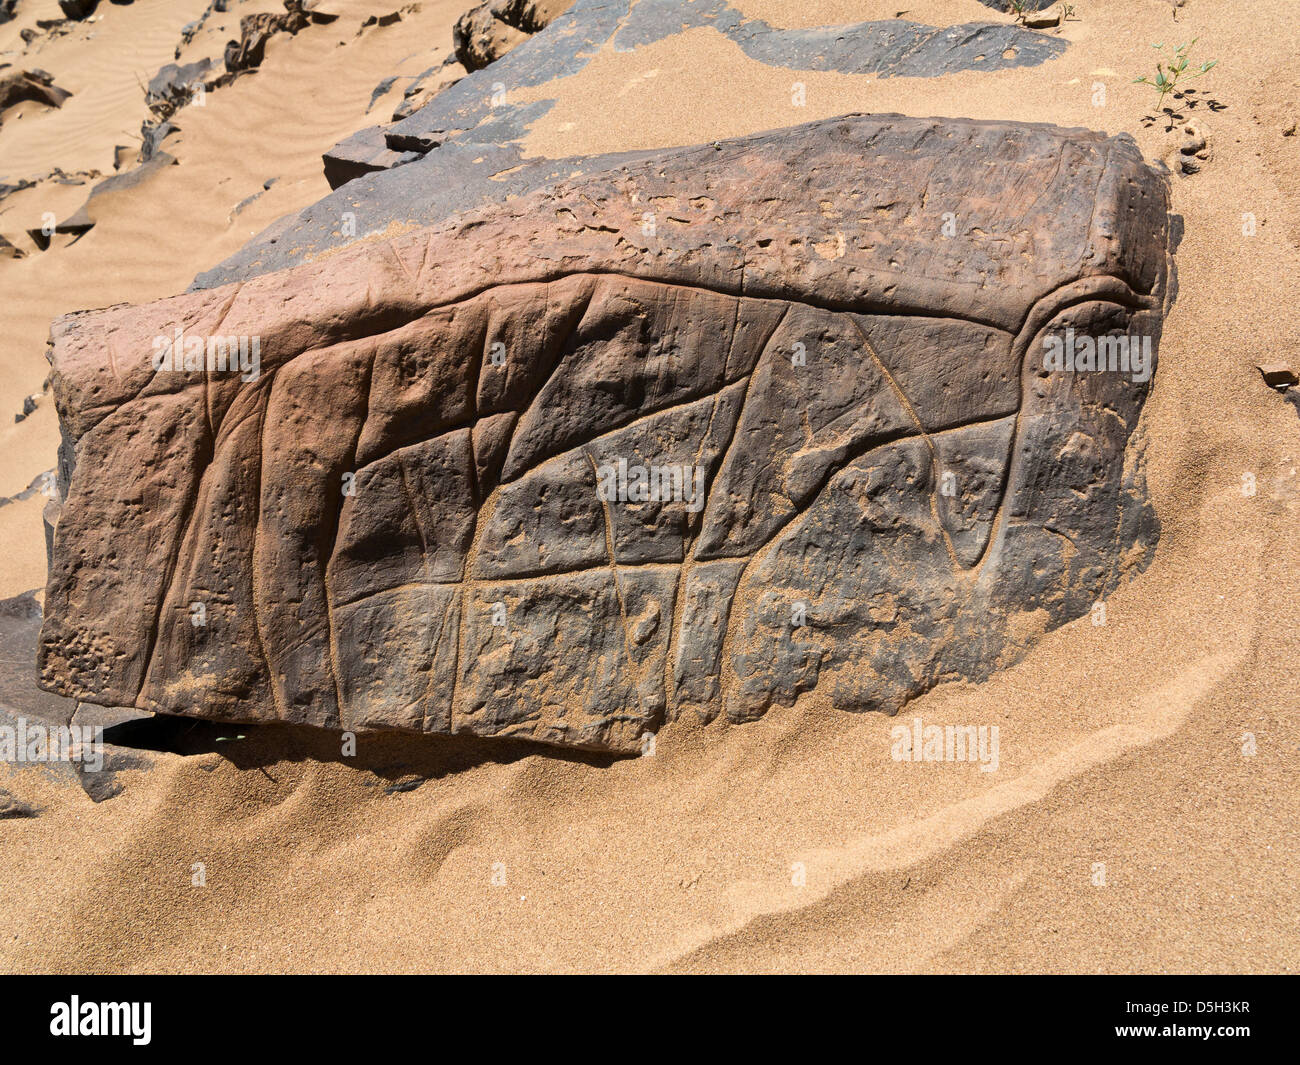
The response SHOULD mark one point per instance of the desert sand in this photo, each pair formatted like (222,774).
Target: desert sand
(794,843)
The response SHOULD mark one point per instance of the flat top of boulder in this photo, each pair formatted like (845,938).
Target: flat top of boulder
(722,235)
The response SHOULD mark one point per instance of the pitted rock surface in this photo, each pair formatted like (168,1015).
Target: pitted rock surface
(838,328)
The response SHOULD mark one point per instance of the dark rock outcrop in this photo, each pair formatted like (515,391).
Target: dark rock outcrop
(886,47)
(248,52)
(487,32)
(84,218)
(191,29)
(461,149)
(696,435)
(78,9)
(1028,5)
(17,86)
(175,85)
(893,47)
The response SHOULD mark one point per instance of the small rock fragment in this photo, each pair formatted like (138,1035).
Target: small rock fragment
(1277,375)
(37,85)
(13,807)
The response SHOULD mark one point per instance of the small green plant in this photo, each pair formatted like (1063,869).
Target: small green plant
(1067,12)
(1168,75)
(1019,8)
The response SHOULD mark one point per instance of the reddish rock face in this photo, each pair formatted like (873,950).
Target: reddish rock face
(785,413)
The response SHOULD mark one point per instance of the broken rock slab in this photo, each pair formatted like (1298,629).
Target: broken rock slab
(84,218)
(26,711)
(893,47)
(256,30)
(774,417)
(1028,5)
(434,162)
(36,85)
(897,47)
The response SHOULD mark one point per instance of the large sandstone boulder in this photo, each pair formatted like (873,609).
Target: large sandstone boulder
(697,435)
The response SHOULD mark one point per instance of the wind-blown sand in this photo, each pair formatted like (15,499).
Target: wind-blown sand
(1120,744)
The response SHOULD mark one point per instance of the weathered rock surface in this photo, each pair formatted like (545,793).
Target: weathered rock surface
(1028,5)
(487,32)
(175,85)
(461,149)
(473,110)
(248,52)
(833,335)
(25,709)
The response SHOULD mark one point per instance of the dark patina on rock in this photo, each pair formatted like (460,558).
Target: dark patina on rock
(397,525)
(462,149)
